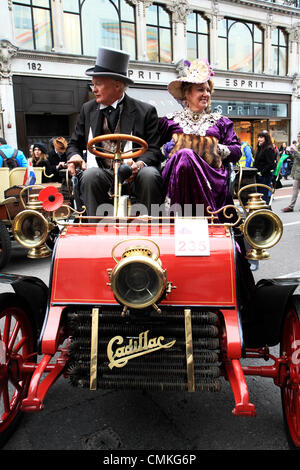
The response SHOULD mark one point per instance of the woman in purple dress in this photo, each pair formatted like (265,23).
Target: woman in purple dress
(199,144)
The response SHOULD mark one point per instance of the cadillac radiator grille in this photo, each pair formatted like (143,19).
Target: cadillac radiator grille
(176,350)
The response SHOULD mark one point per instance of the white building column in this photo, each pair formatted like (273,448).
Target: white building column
(7,21)
(57,25)
(294,71)
(214,18)
(213,40)
(295,109)
(141,30)
(7,105)
(7,52)
(294,50)
(180,11)
(268,45)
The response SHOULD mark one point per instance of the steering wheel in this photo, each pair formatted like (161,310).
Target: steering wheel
(118,138)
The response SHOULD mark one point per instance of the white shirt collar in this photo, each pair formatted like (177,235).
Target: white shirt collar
(114,105)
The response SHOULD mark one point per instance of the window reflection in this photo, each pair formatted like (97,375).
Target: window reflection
(197,37)
(32,22)
(159,38)
(71,6)
(72,40)
(112,22)
(279,52)
(240,46)
(99,19)
(42,27)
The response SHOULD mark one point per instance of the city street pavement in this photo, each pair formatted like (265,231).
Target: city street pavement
(78,419)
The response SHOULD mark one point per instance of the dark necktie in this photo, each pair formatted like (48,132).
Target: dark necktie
(112,116)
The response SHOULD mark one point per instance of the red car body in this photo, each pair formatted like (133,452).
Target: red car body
(190,337)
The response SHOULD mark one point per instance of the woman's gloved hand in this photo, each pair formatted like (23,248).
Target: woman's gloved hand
(168,147)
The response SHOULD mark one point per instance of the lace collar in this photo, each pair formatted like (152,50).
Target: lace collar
(192,122)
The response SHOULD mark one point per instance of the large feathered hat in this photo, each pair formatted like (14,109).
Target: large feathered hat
(198,71)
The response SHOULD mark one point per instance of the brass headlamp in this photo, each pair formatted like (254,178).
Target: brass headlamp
(262,228)
(138,279)
(31,228)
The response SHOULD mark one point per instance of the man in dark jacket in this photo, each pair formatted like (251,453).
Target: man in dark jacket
(57,158)
(114,112)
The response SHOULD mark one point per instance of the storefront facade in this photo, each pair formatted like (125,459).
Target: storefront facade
(41,92)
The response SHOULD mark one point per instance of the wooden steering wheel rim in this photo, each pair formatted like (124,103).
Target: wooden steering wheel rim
(117,137)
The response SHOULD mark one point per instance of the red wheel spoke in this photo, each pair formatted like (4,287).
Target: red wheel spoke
(5,396)
(6,330)
(20,344)
(13,335)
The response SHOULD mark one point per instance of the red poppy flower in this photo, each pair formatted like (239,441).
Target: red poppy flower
(51,198)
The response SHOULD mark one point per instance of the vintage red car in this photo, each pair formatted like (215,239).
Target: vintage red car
(133,304)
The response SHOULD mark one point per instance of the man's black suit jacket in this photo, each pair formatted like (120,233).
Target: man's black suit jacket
(138,119)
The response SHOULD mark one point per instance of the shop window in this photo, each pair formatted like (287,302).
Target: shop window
(240,46)
(197,36)
(279,52)
(243,131)
(112,22)
(247,131)
(159,34)
(279,131)
(32,24)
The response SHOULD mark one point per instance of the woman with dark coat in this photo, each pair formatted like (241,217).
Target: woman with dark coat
(265,162)
(40,159)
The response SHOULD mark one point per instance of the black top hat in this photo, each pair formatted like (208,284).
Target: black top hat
(111,63)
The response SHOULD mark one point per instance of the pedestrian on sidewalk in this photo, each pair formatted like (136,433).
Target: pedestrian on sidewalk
(265,162)
(11,157)
(296,177)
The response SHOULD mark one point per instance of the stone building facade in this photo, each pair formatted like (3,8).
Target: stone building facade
(46,46)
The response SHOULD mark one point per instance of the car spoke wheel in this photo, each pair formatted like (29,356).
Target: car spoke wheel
(290,391)
(17,345)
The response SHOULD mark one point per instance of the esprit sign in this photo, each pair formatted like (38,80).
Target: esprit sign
(239,108)
(254,84)
(243,83)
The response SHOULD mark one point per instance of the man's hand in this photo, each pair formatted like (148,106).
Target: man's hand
(76,161)
(61,166)
(135,166)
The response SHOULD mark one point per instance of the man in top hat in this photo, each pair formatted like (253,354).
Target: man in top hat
(113,111)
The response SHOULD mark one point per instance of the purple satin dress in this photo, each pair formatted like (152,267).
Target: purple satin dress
(188,179)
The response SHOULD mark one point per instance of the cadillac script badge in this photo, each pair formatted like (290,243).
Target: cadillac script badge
(119,356)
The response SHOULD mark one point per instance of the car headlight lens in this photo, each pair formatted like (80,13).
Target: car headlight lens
(138,280)
(30,228)
(263,229)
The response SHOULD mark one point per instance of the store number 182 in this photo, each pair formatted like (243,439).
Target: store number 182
(35,66)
